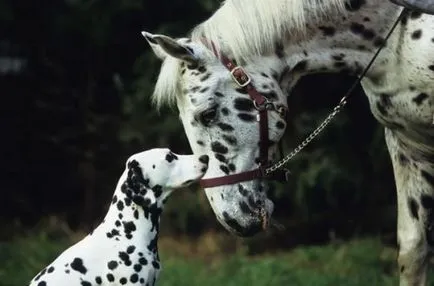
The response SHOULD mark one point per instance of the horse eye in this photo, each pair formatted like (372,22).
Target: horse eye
(208,116)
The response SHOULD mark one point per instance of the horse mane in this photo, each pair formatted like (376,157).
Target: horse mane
(248,28)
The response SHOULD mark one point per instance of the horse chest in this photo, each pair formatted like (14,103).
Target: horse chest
(411,112)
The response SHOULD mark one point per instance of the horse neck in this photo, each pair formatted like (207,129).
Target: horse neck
(344,44)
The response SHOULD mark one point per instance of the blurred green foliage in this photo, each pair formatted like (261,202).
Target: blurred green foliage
(81,106)
(354,263)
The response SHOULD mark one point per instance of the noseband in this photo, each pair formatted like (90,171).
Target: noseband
(262,105)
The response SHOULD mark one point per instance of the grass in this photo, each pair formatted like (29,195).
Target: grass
(359,262)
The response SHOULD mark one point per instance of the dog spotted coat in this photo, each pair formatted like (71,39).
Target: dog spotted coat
(122,250)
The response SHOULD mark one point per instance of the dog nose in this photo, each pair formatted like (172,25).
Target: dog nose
(204,159)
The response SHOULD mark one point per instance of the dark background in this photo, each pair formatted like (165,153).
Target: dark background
(75,83)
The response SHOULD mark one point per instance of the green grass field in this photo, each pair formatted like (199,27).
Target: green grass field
(359,262)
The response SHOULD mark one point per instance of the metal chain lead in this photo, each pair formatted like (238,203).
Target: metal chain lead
(309,138)
(336,110)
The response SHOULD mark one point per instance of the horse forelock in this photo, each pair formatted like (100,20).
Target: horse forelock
(249,28)
(167,86)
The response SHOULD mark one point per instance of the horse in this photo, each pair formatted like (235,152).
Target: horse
(231,76)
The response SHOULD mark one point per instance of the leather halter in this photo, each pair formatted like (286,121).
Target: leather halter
(263,105)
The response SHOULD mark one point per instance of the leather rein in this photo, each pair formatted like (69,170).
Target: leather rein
(263,105)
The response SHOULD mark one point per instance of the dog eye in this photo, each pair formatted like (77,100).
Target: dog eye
(208,116)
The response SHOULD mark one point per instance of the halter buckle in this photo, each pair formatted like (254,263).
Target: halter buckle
(266,105)
(240,76)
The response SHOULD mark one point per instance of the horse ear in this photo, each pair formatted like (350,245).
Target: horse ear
(164,45)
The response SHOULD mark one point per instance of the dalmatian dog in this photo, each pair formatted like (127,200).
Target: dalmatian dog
(122,250)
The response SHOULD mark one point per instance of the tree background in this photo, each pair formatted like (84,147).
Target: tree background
(75,83)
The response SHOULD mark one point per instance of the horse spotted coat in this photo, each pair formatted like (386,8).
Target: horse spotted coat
(280,41)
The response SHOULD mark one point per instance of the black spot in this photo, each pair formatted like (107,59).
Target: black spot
(340,64)
(200,143)
(134,278)
(403,160)
(110,277)
(245,208)
(120,205)
(203,90)
(327,31)
(42,283)
(242,190)
(368,34)
(241,90)
(129,227)
(114,199)
(357,28)
(420,98)
(225,127)
(156,264)
(135,214)
(224,169)
(137,267)
(416,34)
(112,265)
(219,94)
(354,5)
(280,50)
(201,69)
(230,139)
(402,268)
(415,15)
(414,208)
(270,95)
(205,77)
(280,124)
(204,159)
(266,76)
(98,280)
(225,111)
(231,167)
(50,269)
(379,41)
(130,249)
(238,228)
(77,265)
(86,283)
(300,66)
(246,117)
(158,190)
(431,67)
(339,57)
(243,104)
(220,157)
(170,157)
(123,280)
(217,147)
(125,258)
(192,66)
(143,261)
(428,177)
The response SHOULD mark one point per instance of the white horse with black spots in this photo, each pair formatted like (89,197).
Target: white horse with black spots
(123,250)
(277,42)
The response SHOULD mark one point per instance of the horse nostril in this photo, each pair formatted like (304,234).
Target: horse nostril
(204,159)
